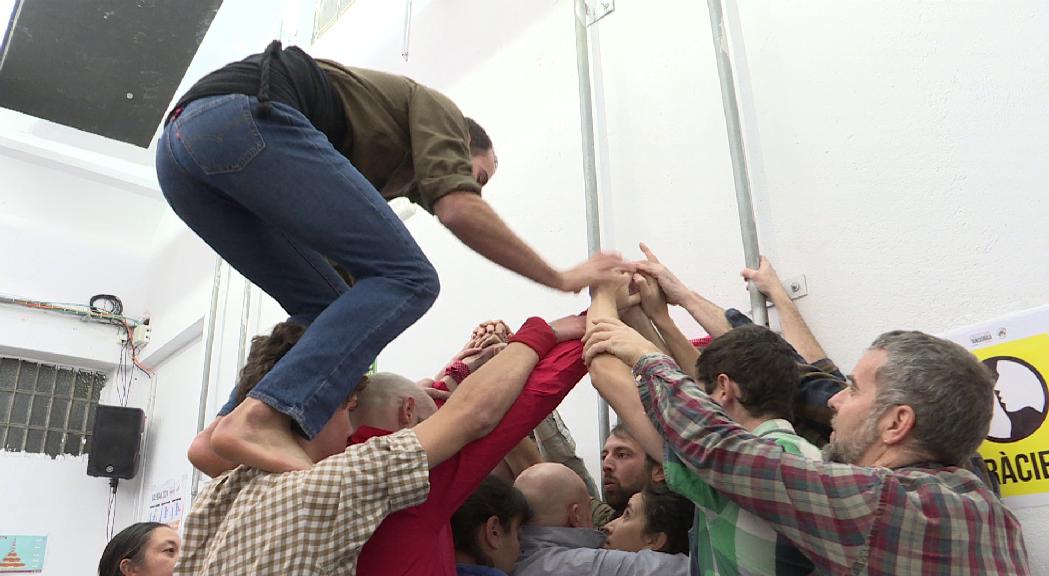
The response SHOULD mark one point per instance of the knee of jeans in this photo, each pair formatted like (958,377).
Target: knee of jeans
(428,281)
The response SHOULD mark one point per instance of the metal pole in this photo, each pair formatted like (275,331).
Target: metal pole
(209,342)
(245,315)
(407,29)
(586,121)
(744,202)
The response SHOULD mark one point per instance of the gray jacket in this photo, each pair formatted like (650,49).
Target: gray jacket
(571,551)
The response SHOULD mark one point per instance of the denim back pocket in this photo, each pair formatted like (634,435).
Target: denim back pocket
(220,134)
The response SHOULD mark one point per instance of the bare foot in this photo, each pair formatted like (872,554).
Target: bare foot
(256,435)
(203,456)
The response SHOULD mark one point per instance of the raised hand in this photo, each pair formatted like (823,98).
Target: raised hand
(653,301)
(483,333)
(674,290)
(611,336)
(764,278)
(601,267)
(475,361)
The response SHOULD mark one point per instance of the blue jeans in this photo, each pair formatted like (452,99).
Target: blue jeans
(275,199)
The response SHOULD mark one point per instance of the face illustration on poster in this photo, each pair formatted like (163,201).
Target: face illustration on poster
(1021,399)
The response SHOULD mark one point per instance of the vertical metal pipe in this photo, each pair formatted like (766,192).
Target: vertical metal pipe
(407,29)
(245,316)
(209,342)
(586,121)
(744,202)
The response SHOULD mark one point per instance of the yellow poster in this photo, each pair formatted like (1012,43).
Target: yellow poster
(1016,350)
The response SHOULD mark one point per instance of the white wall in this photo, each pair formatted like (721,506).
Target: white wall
(55,498)
(895,154)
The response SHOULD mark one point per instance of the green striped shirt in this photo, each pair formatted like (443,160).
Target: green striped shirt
(727,540)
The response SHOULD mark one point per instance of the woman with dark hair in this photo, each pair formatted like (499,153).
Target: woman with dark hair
(655,519)
(142,549)
(485,529)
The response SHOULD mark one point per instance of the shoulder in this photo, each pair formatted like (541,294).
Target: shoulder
(794,444)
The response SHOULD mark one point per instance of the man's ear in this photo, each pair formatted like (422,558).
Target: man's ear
(492,535)
(897,424)
(406,414)
(657,475)
(575,517)
(725,390)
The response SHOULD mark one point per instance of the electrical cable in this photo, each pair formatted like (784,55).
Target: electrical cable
(116,307)
(111,513)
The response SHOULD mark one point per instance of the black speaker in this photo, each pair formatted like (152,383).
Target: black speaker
(115,442)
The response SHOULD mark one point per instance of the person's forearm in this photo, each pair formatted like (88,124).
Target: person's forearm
(681,349)
(478,404)
(636,319)
(795,331)
(480,228)
(614,383)
(709,315)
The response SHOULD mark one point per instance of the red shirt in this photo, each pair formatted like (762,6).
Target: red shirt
(418,540)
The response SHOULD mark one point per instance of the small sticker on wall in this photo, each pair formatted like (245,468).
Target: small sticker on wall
(22,554)
(167,502)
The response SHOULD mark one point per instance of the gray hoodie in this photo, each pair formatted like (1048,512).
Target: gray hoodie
(549,551)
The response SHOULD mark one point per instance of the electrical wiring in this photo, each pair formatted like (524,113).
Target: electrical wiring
(86,312)
(134,350)
(116,307)
(129,362)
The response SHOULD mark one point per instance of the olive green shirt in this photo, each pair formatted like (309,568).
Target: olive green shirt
(405,138)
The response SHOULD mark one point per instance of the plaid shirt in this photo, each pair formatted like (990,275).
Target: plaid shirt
(307,522)
(727,540)
(921,519)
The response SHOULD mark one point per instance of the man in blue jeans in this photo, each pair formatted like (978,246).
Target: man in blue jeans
(283,164)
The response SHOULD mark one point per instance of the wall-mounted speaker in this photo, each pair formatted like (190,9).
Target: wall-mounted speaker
(115,443)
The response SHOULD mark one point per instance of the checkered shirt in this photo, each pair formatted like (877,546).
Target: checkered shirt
(727,540)
(306,522)
(921,519)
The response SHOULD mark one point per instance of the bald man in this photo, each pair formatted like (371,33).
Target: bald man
(391,402)
(560,538)
(557,495)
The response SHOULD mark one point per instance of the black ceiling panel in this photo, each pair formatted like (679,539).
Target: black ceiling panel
(109,67)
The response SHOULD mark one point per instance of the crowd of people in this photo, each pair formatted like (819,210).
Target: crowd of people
(707,472)
(746,452)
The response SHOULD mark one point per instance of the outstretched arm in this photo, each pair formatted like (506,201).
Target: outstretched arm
(613,379)
(484,397)
(477,225)
(795,331)
(654,304)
